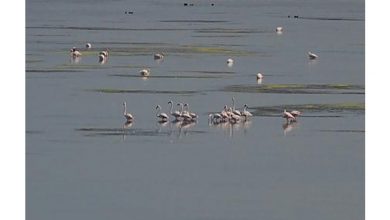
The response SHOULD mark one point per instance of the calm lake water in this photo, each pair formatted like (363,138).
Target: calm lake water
(83,162)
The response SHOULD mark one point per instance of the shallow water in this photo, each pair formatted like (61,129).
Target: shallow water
(84,162)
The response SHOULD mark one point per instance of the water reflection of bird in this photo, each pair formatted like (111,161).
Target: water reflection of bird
(129,117)
(75,59)
(312,56)
(287,127)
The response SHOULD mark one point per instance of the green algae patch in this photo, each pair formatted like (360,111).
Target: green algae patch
(135,91)
(297,88)
(308,109)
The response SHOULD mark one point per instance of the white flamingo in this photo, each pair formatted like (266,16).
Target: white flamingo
(176,113)
(230,62)
(288,116)
(145,72)
(279,30)
(103,56)
(234,111)
(259,76)
(161,116)
(74,52)
(312,56)
(192,114)
(158,56)
(224,113)
(129,117)
(246,113)
(184,114)
(296,113)
(88,46)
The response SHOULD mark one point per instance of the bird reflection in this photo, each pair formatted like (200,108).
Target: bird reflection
(259,81)
(75,59)
(289,126)
(127,124)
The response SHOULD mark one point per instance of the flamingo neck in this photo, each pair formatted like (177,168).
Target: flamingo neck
(171,107)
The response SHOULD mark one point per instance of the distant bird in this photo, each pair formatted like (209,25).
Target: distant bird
(104,53)
(103,56)
(88,46)
(234,111)
(161,116)
(279,29)
(129,117)
(176,113)
(193,115)
(145,72)
(74,52)
(288,116)
(259,76)
(158,56)
(312,56)
(230,61)
(296,113)
(246,113)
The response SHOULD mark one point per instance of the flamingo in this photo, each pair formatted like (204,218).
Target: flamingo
(103,56)
(296,113)
(233,118)
(176,113)
(312,56)
(246,113)
(104,53)
(74,52)
(234,111)
(161,116)
(224,113)
(145,72)
(129,117)
(184,114)
(158,56)
(259,76)
(88,46)
(279,29)
(230,61)
(193,115)
(288,116)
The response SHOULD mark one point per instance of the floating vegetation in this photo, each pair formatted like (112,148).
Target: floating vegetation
(331,19)
(229,31)
(51,71)
(310,108)
(194,21)
(298,88)
(169,77)
(130,132)
(144,91)
(343,131)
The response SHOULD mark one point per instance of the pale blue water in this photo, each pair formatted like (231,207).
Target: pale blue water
(82,164)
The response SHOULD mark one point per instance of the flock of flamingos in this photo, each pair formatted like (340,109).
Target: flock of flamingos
(183,114)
